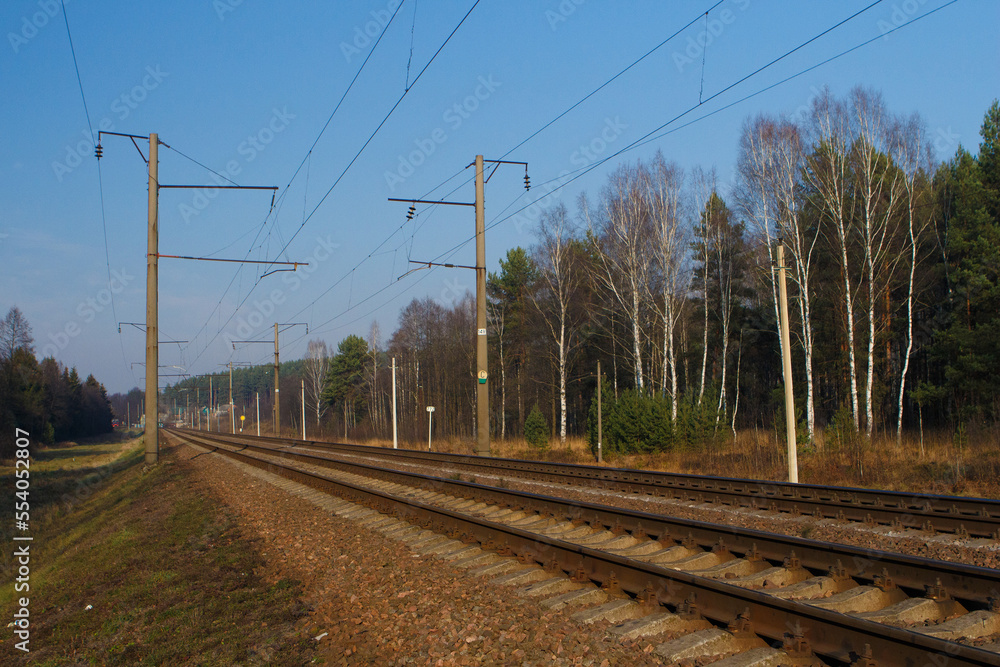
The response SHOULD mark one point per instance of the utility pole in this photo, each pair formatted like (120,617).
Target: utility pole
(232,414)
(303,409)
(600,454)
(258,414)
(276,411)
(152,433)
(277,396)
(395,439)
(786,366)
(211,398)
(152,439)
(232,407)
(482,390)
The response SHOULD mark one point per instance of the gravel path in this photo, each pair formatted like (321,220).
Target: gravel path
(381,604)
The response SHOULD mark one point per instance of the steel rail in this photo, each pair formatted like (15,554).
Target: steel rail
(829,634)
(963,516)
(976,586)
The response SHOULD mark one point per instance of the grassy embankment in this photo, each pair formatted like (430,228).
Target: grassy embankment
(167,575)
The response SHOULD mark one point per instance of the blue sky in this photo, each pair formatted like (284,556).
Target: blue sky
(245,88)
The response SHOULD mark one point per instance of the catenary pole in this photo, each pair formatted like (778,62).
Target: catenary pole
(482,390)
(152,435)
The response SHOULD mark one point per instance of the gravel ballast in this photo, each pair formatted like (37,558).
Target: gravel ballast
(380,603)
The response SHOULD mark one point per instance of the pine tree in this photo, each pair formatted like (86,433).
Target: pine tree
(536,429)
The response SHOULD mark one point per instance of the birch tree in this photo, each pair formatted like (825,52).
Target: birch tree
(664,193)
(911,155)
(624,252)
(560,283)
(827,172)
(317,364)
(878,190)
(704,190)
(769,164)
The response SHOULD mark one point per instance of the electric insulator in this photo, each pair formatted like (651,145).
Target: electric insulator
(98,151)
(412,212)
(527,182)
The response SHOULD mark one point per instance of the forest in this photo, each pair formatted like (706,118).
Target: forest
(44,398)
(668,279)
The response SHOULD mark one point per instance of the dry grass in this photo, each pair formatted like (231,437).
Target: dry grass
(144,569)
(946,463)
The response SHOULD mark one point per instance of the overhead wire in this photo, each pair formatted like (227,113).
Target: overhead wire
(286,189)
(355,158)
(531,136)
(100,184)
(382,123)
(648,137)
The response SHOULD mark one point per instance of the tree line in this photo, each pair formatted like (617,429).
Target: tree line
(669,280)
(44,398)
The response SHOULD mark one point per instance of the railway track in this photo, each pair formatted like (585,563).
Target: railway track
(653,573)
(960,516)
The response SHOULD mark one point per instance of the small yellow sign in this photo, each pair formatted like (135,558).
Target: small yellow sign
(242,417)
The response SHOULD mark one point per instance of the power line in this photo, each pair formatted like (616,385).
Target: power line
(281,197)
(384,120)
(647,137)
(100,183)
(90,126)
(612,79)
(351,163)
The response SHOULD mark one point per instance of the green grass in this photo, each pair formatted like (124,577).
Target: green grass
(170,577)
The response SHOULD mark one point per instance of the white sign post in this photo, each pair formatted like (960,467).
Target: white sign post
(430,421)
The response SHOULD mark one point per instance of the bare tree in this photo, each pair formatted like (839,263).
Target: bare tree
(828,174)
(668,248)
(15,332)
(879,187)
(375,395)
(624,251)
(704,189)
(769,166)
(317,364)
(911,154)
(561,280)
(496,313)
